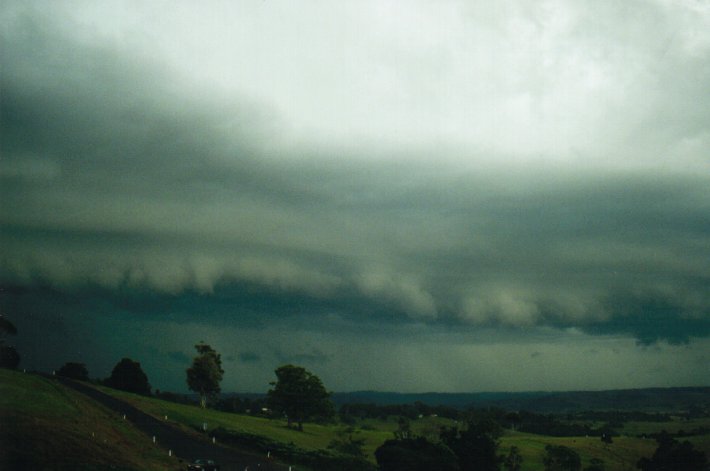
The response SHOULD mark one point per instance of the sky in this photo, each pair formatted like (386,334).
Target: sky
(444,196)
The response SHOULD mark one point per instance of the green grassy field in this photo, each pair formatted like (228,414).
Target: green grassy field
(44,425)
(673,426)
(42,420)
(314,436)
(701,442)
(621,455)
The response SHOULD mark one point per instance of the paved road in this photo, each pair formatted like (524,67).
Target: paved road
(184,446)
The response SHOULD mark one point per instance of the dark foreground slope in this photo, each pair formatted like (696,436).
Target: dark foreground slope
(44,425)
(50,423)
(186,446)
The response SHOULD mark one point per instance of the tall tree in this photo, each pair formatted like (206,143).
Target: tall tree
(300,395)
(9,358)
(561,458)
(128,375)
(476,447)
(206,372)
(514,461)
(7,327)
(674,455)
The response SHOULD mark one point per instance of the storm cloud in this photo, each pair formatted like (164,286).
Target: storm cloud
(536,171)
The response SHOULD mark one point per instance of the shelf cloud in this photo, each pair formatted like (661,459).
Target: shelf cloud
(539,173)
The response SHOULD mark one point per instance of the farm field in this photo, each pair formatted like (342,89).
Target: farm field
(699,441)
(46,422)
(314,436)
(621,455)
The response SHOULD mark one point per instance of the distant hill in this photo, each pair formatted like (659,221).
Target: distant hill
(649,399)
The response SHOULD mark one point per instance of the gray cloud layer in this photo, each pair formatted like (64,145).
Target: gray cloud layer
(123,179)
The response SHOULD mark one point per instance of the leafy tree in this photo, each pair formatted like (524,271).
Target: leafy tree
(206,373)
(9,358)
(74,371)
(514,419)
(607,438)
(300,395)
(561,458)
(347,444)
(404,430)
(672,455)
(7,327)
(415,454)
(476,447)
(514,460)
(128,375)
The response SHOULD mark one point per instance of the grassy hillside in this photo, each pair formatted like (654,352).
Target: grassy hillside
(47,426)
(621,455)
(314,437)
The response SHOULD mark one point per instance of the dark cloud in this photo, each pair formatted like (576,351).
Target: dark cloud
(132,192)
(249,357)
(308,356)
(652,318)
(179,357)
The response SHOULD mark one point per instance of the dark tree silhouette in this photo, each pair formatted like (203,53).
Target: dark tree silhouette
(476,447)
(7,327)
(9,358)
(300,395)
(561,458)
(513,419)
(128,375)
(404,429)
(415,454)
(672,455)
(74,371)
(513,461)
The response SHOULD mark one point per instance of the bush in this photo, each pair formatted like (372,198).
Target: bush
(76,371)
(128,375)
(674,455)
(415,454)
(9,358)
(561,458)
